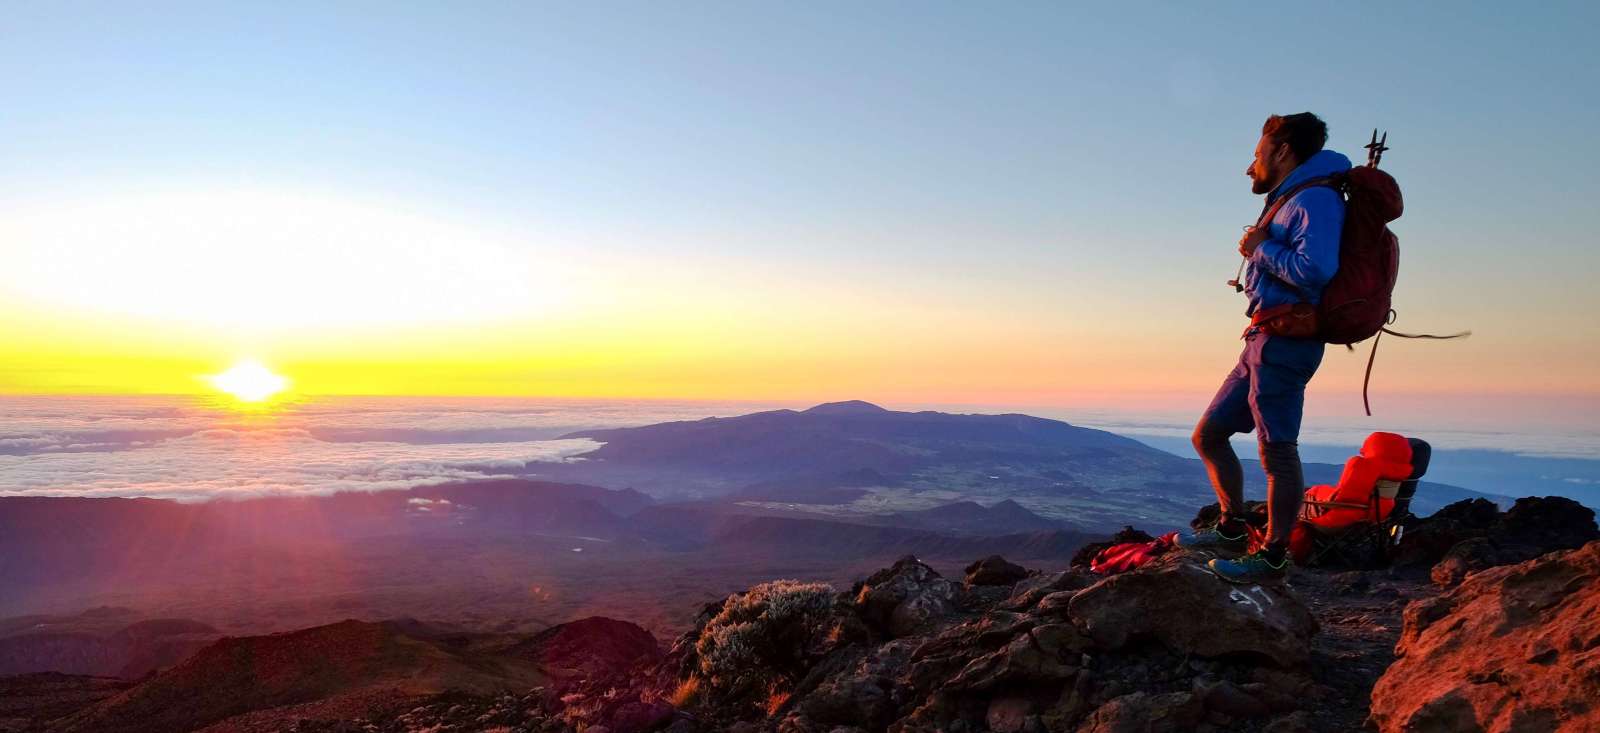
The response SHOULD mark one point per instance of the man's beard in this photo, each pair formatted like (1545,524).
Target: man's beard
(1260,185)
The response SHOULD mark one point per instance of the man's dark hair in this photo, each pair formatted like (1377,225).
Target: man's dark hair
(1304,132)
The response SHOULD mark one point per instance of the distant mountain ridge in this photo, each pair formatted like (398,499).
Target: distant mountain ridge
(863,458)
(1083,476)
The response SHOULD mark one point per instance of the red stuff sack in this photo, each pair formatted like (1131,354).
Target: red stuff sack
(1129,555)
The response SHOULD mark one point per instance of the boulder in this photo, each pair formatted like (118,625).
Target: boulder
(862,692)
(1140,712)
(639,717)
(906,598)
(1532,527)
(1041,654)
(1008,714)
(1032,589)
(995,570)
(1472,535)
(1512,648)
(591,648)
(1226,697)
(1191,611)
(1546,523)
(1469,513)
(1465,558)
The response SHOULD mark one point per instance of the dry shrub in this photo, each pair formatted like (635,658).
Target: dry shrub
(761,638)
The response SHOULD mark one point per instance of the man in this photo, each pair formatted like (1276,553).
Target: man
(1291,259)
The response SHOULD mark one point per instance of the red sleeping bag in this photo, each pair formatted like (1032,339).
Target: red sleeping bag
(1365,494)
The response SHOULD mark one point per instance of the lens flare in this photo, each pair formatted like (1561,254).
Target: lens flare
(249,381)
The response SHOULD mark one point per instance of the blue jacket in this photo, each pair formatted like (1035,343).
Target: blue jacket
(1299,258)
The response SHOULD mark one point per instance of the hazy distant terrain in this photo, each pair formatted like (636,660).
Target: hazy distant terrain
(1087,478)
(680,511)
(855,459)
(494,555)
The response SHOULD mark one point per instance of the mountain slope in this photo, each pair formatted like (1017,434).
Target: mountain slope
(1088,477)
(392,661)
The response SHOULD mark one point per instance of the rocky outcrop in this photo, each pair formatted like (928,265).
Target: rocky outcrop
(906,598)
(994,570)
(591,648)
(1471,536)
(1514,648)
(1166,647)
(1190,611)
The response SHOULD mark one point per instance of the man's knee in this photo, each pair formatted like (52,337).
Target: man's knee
(1208,435)
(1283,454)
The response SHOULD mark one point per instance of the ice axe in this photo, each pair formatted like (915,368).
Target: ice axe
(1376,147)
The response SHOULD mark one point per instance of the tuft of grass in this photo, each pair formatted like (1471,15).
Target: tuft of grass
(775,701)
(688,690)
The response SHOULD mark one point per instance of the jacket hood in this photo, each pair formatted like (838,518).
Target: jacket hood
(1325,162)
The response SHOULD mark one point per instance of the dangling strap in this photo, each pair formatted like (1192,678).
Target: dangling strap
(1367,380)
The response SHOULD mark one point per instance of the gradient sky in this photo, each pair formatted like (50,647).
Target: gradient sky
(914,202)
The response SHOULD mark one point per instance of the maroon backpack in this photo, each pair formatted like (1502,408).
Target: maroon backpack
(1357,303)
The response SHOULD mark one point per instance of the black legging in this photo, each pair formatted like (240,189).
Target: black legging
(1285,481)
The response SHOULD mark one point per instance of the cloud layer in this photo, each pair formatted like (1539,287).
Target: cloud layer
(177,447)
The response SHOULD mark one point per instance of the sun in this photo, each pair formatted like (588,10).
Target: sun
(249,381)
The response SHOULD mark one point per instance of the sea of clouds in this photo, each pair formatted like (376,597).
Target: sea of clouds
(196,448)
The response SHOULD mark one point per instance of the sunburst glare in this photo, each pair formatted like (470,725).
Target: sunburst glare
(249,381)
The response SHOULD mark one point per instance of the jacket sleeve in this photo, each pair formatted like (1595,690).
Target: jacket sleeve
(1310,256)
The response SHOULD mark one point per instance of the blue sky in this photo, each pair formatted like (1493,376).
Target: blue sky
(1059,172)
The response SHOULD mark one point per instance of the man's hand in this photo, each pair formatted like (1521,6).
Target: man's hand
(1252,239)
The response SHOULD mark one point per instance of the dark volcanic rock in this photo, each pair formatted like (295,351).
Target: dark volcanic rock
(1139,712)
(1164,647)
(1512,648)
(995,570)
(1477,514)
(1470,536)
(1546,523)
(1465,558)
(906,598)
(1029,591)
(1189,610)
(590,648)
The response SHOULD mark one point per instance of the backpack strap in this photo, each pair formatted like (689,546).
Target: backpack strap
(1335,182)
(1371,357)
(1270,210)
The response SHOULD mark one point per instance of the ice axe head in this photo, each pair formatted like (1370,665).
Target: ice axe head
(1376,147)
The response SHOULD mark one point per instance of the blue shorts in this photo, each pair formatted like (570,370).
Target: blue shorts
(1266,391)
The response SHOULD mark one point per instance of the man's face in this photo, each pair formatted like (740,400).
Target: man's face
(1271,164)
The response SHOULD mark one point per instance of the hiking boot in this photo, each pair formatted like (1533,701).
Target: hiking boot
(1255,567)
(1211,538)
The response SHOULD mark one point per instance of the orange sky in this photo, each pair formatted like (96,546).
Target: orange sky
(765,203)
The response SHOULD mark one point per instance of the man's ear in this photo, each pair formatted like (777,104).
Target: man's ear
(1282,151)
